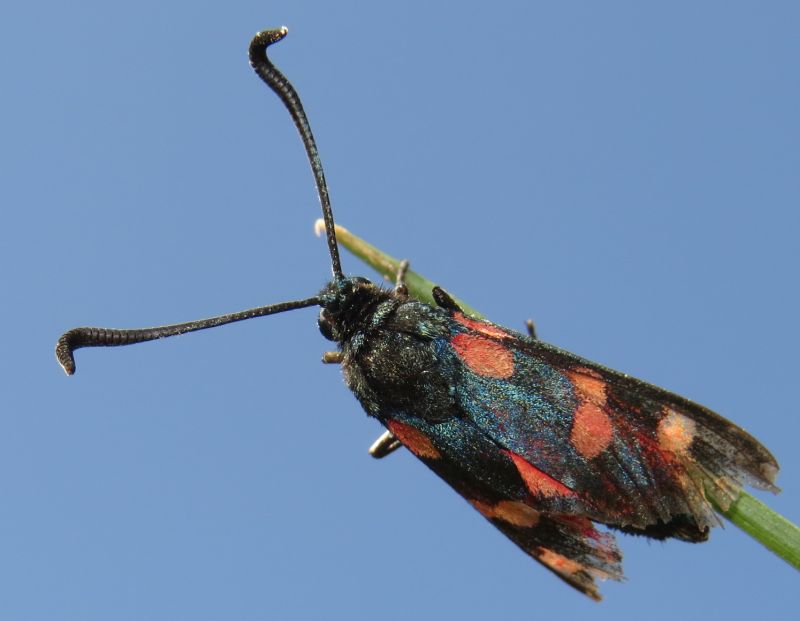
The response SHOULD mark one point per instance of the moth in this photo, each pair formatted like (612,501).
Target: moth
(543,443)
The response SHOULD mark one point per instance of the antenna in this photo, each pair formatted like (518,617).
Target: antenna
(109,337)
(283,89)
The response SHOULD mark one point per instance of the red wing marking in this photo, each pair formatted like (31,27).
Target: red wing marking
(676,431)
(588,385)
(414,440)
(513,512)
(558,562)
(591,430)
(538,482)
(480,326)
(483,356)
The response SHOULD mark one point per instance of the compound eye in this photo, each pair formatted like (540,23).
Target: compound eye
(325,325)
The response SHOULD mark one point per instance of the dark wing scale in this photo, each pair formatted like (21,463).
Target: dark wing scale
(724,455)
(638,457)
(569,547)
(572,548)
(471,463)
(675,504)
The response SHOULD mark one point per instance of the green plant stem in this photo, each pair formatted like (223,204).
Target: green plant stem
(771,529)
(418,286)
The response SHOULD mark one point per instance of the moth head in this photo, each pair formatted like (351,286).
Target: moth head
(343,303)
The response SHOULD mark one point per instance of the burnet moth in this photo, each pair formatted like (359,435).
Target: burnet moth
(543,443)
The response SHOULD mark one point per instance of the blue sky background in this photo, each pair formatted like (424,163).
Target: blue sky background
(627,175)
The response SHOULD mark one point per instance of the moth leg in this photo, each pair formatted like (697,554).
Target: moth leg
(384,445)
(531,328)
(443,299)
(332,357)
(400,287)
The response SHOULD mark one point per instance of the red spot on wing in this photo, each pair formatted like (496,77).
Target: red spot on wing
(539,483)
(592,431)
(480,326)
(414,440)
(676,432)
(558,562)
(588,385)
(483,356)
(513,512)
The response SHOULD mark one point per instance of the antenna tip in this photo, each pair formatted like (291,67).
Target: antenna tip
(265,38)
(64,355)
(319,227)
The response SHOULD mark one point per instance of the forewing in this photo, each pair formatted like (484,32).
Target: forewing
(616,449)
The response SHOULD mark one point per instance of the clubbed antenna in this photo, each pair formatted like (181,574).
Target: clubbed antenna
(111,337)
(283,88)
